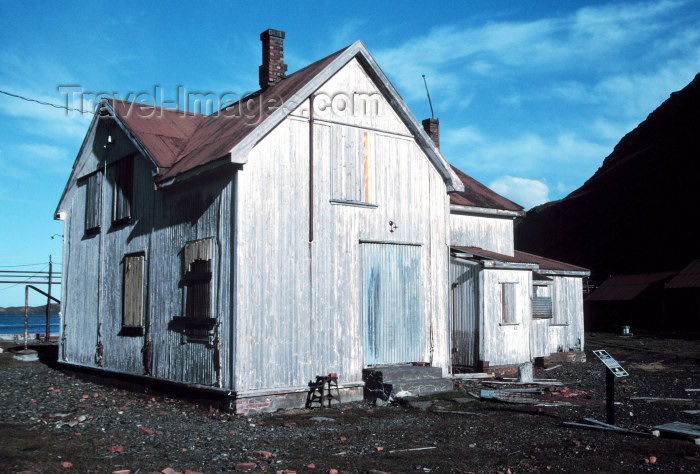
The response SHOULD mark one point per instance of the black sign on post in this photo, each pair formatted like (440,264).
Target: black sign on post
(614,370)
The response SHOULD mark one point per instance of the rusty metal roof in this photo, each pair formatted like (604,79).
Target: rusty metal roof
(544,263)
(628,287)
(477,195)
(179,142)
(689,277)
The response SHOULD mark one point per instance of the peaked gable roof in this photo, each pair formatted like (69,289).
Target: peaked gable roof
(689,277)
(181,145)
(476,194)
(628,287)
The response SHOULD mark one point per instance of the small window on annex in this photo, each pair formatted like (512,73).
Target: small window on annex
(93,202)
(542,301)
(123,190)
(133,294)
(352,166)
(508,302)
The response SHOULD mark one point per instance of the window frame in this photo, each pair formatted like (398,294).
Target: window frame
(347,141)
(123,190)
(535,297)
(197,324)
(126,328)
(508,308)
(93,202)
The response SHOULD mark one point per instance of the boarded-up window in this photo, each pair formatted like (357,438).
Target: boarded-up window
(123,190)
(352,165)
(197,277)
(133,294)
(542,301)
(93,202)
(508,303)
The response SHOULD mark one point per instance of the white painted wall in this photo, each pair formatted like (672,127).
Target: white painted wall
(486,232)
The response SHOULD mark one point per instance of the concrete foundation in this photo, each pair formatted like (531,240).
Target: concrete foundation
(26,355)
(286,401)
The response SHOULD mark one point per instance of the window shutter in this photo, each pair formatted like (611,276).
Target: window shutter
(123,189)
(508,315)
(133,295)
(93,202)
(352,165)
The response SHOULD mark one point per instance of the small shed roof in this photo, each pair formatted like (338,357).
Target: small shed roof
(543,263)
(628,287)
(689,277)
(475,194)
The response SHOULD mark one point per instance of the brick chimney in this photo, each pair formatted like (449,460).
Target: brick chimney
(273,68)
(432,128)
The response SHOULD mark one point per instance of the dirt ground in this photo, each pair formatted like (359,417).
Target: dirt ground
(51,422)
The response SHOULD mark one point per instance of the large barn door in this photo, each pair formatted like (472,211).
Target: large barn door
(464,292)
(392,303)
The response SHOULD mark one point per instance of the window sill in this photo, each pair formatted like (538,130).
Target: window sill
(343,202)
(124,221)
(131,331)
(509,324)
(92,231)
(195,322)
(558,324)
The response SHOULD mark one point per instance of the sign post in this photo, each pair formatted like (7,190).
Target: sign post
(614,370)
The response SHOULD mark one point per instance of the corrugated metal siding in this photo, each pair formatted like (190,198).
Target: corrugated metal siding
(464,300)
(284,282)
(392,310)
(566,330)
(161,223)
(488,233)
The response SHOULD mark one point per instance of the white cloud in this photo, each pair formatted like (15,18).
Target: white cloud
(526,192)
(452,55)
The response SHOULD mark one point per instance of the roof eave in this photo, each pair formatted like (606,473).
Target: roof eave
(475,210)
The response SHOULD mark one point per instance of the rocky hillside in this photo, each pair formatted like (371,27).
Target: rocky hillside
(638,212)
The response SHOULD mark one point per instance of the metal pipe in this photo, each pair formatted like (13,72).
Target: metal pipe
(26,316)
(48,303)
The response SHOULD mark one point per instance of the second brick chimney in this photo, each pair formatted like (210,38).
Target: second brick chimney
(273,68)
(432,128)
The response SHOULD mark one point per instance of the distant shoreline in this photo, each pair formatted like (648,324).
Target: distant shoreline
(54,309)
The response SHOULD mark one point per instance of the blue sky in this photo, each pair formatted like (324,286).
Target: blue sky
(531,95)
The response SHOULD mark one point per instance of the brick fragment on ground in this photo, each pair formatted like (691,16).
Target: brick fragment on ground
(245,466)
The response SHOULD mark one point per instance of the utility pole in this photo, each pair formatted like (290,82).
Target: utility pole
(48,302)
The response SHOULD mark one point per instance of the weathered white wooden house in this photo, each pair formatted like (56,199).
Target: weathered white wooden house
(303,230)
(509,307)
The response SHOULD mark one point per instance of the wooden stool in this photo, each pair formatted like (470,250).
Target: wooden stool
(322,390)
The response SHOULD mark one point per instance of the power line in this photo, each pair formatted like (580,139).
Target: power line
(20,283)
(25,265)
(56,106)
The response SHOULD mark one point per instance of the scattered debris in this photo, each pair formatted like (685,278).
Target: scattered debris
(412,449)
(692,412)
(321,419)
(552,367)
(663,399)
(455,412)
(591,424)
(474,376)
(678,429)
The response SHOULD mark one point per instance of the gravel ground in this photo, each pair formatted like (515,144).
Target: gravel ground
(52,422)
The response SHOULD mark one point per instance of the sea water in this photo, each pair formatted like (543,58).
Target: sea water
(14,324)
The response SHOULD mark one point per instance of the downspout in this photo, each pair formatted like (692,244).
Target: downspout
(311,212)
